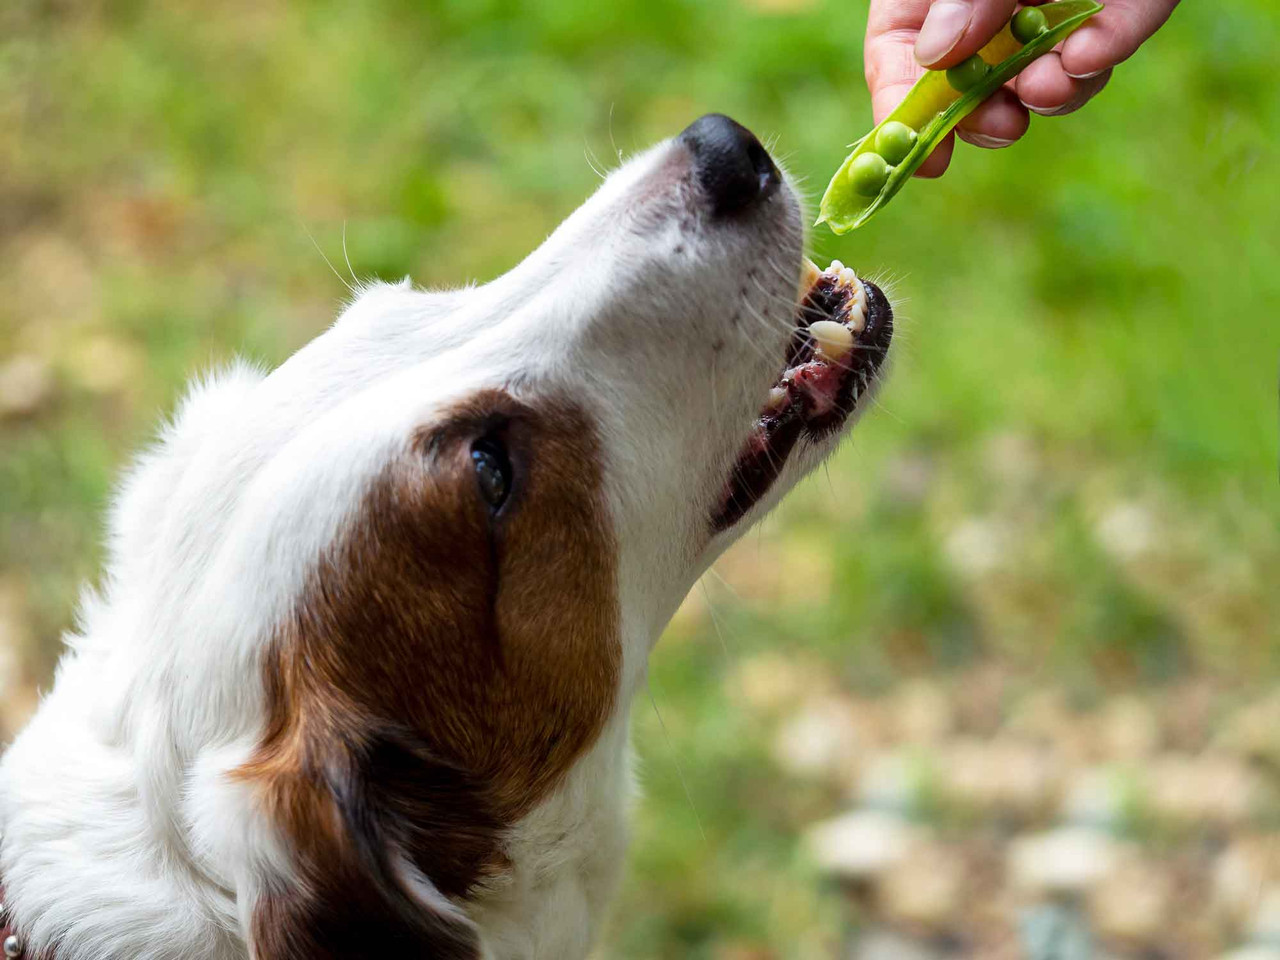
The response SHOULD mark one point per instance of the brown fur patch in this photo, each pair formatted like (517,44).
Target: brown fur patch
(444,669)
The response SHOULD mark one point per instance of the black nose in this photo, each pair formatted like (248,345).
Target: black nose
(731,166)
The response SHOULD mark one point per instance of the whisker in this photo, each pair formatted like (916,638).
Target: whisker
(586,154)
(715,622)
(612,141)
(328,263)
(713,572)
(347,258)
(675,759)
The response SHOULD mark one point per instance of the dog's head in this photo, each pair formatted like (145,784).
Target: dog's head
(442,538)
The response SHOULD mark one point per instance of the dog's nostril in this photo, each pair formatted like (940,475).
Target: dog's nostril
(731,166)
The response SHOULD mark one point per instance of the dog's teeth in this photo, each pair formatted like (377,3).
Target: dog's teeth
(858,307)
(832,341)
(836,267)
(778,398)
(847,277)
(858,316)
(809,274)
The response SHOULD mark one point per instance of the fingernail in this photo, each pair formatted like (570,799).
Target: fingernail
(1086,76)
(1044,111)
(982,140)
(942,30)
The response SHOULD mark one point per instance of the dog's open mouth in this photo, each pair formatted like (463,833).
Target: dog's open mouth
(845,325)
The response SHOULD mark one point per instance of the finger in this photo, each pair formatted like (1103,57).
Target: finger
(957,29)
(997,122)
(938,161)
(891,69)
(1045,88)
(1113,35)
(891,72)
(889,16)
(1085,91)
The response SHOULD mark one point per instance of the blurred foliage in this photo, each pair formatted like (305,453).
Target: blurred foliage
(1073,469)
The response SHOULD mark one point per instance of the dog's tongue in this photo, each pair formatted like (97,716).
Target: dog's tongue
(818,383)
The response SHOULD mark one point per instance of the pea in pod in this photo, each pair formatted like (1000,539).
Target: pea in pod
(869,177)
(1028,23)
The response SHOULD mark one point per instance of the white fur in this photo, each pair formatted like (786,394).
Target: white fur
(122,836)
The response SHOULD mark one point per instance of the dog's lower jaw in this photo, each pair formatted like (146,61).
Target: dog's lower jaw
(821,388)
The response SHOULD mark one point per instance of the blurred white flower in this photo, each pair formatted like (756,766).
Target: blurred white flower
(976,547)
(25,384)
(1063,860)
(820,740)
(1126,531)
(860,844)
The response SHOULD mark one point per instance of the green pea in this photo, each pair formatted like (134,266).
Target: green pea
(967,74)
(1029,23)
(868,173)
(894,142)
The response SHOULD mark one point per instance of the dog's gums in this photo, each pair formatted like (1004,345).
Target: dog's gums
(843,328)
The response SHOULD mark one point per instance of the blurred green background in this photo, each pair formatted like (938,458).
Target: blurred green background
(1063,505)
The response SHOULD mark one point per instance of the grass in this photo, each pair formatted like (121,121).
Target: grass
(1072,471)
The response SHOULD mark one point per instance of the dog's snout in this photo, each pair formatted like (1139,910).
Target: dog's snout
(730,164)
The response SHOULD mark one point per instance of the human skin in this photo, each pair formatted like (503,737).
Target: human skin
(904,37)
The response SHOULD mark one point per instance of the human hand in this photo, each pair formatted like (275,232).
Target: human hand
(906,36)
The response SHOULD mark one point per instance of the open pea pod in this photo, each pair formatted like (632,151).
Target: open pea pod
(883,160)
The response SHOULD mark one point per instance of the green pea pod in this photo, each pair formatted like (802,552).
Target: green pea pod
(933,107)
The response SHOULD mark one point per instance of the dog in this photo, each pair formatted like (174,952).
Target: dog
(356,681)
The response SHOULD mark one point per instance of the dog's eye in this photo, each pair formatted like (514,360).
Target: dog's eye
(493,471)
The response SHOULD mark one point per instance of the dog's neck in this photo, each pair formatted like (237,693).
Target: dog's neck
(112,845)
(108,853)
(96,851)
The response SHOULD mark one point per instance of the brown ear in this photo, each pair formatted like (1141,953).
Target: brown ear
(360,894)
